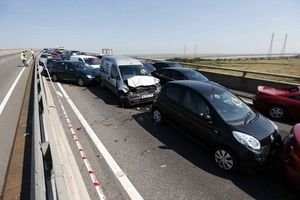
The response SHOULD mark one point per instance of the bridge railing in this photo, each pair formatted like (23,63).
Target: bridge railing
(243,73)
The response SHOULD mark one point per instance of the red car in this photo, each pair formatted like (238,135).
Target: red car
(278,103)
(291,157)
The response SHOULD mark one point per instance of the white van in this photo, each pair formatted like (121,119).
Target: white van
(90,60)
(128,79)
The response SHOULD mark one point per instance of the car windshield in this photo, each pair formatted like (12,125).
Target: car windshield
(174,64)
(92,61)
(230,107)
(128,71)
(149,67)
(193,75)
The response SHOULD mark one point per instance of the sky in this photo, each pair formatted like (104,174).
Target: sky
(152,26)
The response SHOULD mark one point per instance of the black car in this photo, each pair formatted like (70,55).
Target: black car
(177,73)
(165,64)
(149,66)
(239,137)
(49,64)
(75,71)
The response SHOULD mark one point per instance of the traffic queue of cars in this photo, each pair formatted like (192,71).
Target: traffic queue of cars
(239,137)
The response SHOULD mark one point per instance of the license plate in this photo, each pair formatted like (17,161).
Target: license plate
(147,96)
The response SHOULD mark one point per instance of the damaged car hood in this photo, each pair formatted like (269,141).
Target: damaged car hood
(137,81)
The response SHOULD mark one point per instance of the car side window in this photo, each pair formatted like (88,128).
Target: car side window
(173,93)
(114,71)
(195,103)
(167,73)
(178,76)
(61,66)
(104,66)
(297,97)
(70,66)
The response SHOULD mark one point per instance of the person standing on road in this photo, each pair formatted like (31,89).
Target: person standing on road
(24,58)
(32,54)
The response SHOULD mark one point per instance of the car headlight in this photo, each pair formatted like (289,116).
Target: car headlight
(89,76)
(275,125)
(125,89)
(250,142)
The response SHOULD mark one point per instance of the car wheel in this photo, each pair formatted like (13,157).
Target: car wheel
(54,78)
(225,159)
(157,116)
(80,82)
(277,112)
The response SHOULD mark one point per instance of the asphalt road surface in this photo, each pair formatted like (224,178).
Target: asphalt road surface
(9,72)
(160,162)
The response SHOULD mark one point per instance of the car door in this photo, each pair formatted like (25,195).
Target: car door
(60,70)
(105,67)
(170,103)
(294,104)
(196,117)
(113,78)
(70,72)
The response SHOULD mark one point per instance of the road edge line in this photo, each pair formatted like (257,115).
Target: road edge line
(118,172)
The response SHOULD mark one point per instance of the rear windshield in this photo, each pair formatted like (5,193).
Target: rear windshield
(92,61)
(194,75)
(174,64)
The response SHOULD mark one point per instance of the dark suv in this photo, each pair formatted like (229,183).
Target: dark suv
(239,136)
(74,71)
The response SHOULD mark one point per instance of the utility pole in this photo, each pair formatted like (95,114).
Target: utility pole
(195,50)
(283,50)
(184,50)
(271,45)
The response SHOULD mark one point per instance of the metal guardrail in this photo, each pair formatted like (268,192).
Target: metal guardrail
(243,72)
(47,180)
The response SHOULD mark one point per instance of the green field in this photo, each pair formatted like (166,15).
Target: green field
(290,66)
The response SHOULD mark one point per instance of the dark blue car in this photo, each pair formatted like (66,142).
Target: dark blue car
(74,71)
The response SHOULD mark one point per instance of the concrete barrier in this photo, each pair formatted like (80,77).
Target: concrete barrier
(5,52)
(242,83)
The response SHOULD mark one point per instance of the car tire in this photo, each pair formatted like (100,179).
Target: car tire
(157,116)
(225,159)
(54,78)
(80,82)
(277,112)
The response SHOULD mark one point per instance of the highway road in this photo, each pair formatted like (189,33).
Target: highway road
(13,79)
(160,162)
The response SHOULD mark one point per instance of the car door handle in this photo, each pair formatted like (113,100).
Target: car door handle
(180,114)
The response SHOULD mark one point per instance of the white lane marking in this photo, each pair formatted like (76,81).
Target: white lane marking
(118,172)
(11,89)
(60,94)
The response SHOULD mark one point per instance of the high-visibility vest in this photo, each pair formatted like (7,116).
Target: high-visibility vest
(23,56)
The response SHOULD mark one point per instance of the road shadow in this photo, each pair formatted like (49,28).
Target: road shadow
(261,185)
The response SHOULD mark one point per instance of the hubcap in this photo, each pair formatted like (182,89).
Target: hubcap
(224,159)
(157,116)
(276,112)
